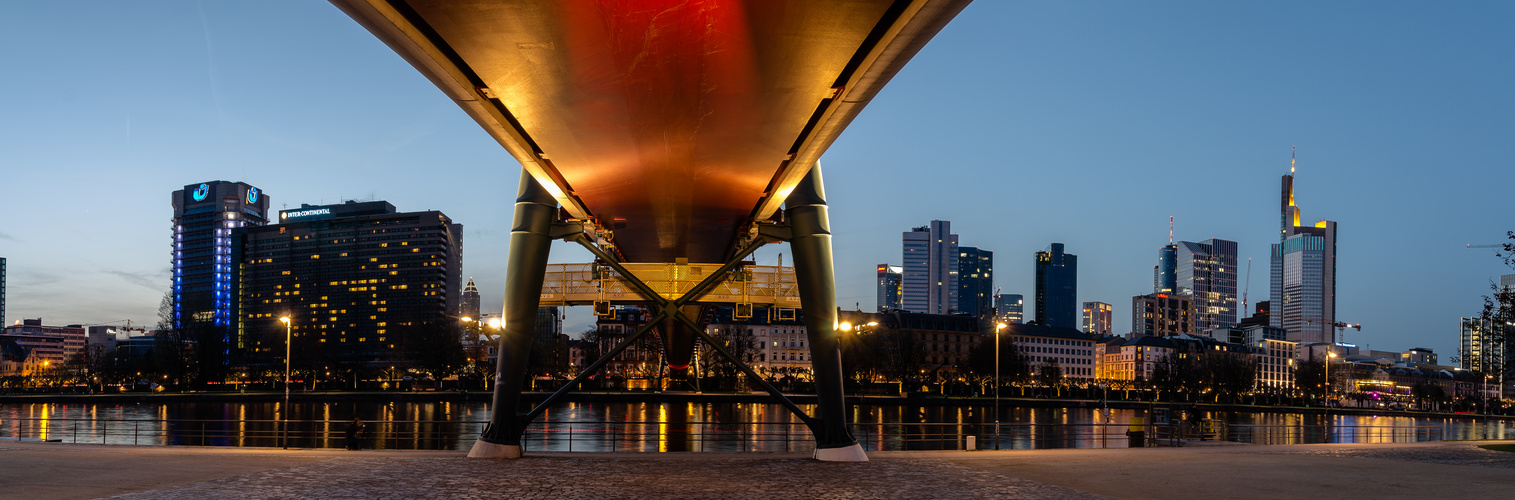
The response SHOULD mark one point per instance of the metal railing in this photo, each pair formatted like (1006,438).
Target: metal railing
(652,436)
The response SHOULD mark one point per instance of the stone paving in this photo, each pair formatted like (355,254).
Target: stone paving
(689,477)
(1460,455)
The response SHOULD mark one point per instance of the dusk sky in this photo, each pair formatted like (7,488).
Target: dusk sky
(1023,123)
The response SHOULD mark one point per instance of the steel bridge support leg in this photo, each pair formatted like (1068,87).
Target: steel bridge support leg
(811,244)
(530,242)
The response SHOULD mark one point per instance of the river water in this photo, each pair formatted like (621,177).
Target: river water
(623,426)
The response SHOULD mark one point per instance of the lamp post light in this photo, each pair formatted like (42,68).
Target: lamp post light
(1329,356)
(997,328)
(1485,395)
(284,415)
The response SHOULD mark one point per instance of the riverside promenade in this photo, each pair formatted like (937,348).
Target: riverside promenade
(1417,470)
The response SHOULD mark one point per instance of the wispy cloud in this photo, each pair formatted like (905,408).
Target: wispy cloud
(8,237)
(151,281)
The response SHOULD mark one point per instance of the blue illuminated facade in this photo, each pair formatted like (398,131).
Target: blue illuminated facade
(208,217)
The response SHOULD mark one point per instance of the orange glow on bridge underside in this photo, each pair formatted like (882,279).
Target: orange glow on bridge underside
(672,118)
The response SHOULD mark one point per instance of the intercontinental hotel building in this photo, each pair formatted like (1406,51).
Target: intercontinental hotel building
(360,281)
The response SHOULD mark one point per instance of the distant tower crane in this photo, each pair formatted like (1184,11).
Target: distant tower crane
(1340,327)
(1247,288)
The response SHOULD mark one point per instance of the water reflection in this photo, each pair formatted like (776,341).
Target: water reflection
(674,427)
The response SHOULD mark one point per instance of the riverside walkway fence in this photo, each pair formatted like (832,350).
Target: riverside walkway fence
(651,436)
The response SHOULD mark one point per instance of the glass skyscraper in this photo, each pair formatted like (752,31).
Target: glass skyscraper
(206,265)
(1165,275)
(930,256)
(890,279)
(1056,287)
(470,307)
(1206,271)
(1099,318)
(975,278)
(1302,273)
(1010,308)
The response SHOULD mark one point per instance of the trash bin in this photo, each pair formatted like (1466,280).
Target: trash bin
(1136,436)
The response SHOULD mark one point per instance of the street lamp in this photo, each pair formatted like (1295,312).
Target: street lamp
(284,415)
(997,328)
(1329,356)
(1485,394)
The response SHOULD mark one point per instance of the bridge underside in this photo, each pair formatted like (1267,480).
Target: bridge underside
(663,131)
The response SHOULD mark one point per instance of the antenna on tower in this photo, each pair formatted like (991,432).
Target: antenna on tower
(1170,229)
(1291,159)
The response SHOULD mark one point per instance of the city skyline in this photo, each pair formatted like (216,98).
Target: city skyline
(326,113)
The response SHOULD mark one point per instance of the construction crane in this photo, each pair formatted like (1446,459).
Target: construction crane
(1340,327)
(1485,245)
(1246,289)
(116,323)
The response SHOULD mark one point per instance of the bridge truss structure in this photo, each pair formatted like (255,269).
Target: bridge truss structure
(656,133)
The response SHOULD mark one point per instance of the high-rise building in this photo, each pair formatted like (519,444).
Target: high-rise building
(2,292)
(361,282)
(1165,275)
(1010,308)
(1098,318)
(1207,272)
(1056,287)
(890,291)
(205,262)
(1303,272)
(470,306)
(1161,314)
(930,261)
(975,278)
(1482,350)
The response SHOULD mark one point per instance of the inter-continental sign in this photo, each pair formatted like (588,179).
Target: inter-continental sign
(303,214)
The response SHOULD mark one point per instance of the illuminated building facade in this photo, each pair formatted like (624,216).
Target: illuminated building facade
(55,344)
(930,260)
(1303,273)
(1275,363)
(1099,318)
(772,344)
(1161,314)
(1056,287)
(642,359)
(205,261)
(975,281)
(1010,308)
(1481,349)
(1070,350)
(360,281)
(890,287)
(1206,272)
